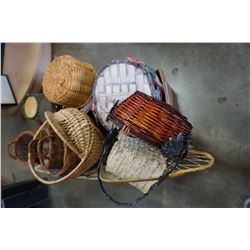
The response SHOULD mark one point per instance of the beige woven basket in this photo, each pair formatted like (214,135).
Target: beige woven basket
(68,81)
(140,164)
(79,134)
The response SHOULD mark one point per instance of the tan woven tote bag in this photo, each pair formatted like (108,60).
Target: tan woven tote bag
(68,81)
(132,159)
(79,134)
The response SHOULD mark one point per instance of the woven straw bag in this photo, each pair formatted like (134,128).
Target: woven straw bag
(17,149)
(141,164)
(195,161)
(155,122)
(120,79)
(81,139)
(68,81)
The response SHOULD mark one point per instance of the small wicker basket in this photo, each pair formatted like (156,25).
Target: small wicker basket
(80,137)
(68,81)
(17,149)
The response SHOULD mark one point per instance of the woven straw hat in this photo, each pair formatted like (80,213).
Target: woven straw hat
(79,134)
(68,81)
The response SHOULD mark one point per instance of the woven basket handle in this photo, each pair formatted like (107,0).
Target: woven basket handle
(10,152)
(41,155)
(110,140)
(31,158)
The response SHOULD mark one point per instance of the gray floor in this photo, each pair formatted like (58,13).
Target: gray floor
(211,86)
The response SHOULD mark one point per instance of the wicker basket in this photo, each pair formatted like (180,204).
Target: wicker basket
(195,161)
(17,149)
(79,135)
(52,153)
(132,160)
(68,81)
(150,119)
(160,125)
(118,80)
(61,164)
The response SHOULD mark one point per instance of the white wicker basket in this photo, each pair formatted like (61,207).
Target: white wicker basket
(120,79)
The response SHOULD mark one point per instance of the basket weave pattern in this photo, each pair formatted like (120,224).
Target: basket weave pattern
(81,140)
(68,81)
(150,119)
(20,144)
(136,160)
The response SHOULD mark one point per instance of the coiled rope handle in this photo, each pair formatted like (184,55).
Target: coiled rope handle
(109,142)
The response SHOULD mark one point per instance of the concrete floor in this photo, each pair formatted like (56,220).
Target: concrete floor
(211,83)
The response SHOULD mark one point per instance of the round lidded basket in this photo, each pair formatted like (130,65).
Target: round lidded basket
(68,81)
(79,134)
(120,79)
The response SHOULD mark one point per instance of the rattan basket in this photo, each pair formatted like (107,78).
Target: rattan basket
(150,119)
(17,149)
(68,81)
(120,79)
(53,154)
(79,135)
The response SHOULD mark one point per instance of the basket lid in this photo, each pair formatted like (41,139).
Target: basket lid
(68,81)
(74,128)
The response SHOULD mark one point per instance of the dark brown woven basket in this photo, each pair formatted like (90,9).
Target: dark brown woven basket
(149,119)
(18,148)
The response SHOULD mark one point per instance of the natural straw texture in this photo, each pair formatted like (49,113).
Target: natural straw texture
(135,161)
(20,144)
(59,159)
(79,134)
(68,81)
(49,148)
(150,119)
